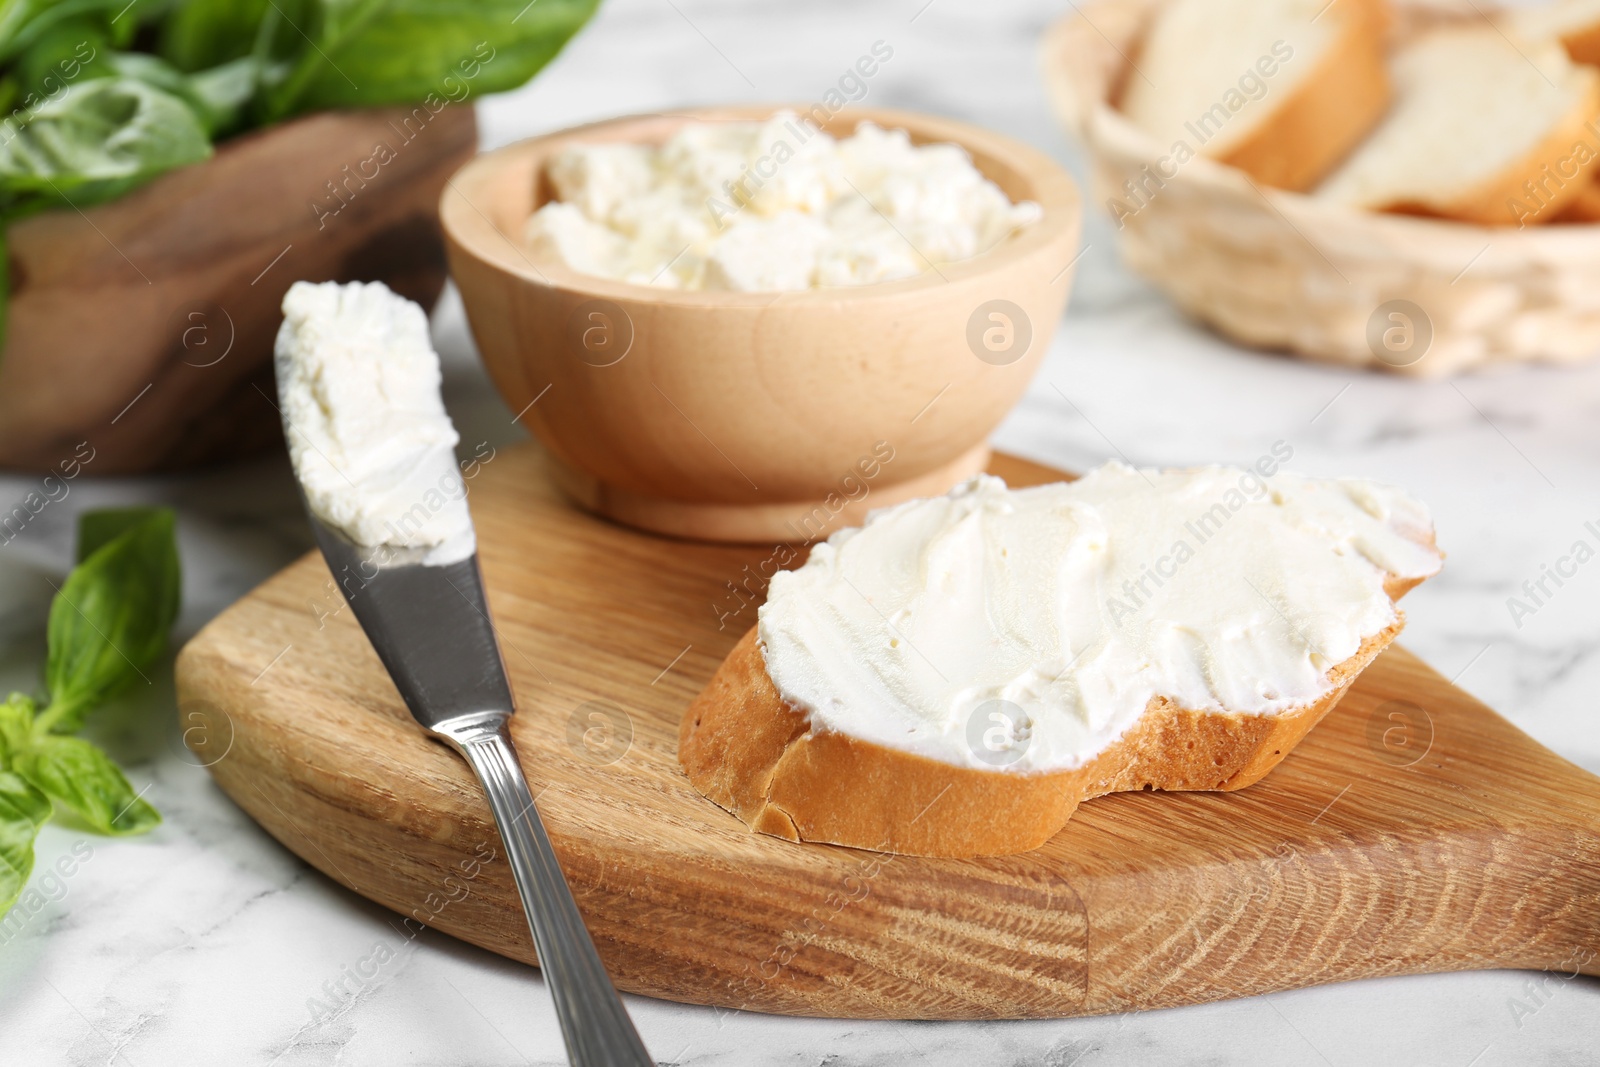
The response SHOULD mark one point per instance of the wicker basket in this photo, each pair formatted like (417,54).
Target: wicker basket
(1287,271)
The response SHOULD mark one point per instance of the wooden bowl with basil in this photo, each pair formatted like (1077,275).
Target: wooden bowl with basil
(167,169)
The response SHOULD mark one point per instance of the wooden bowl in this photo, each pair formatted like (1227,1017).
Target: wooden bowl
(140,331)
(758,416)
(1287,271)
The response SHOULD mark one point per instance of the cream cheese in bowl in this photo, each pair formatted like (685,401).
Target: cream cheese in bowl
(1079,602)
(769,206)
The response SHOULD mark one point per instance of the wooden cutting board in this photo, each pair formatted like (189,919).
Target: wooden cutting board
(1414,830)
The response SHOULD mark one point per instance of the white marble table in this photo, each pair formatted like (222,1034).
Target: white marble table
(207,942)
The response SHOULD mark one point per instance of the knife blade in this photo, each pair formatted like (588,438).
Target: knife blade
(430,625)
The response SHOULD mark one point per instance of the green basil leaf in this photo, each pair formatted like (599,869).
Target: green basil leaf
(216,96)
(15,16)
(100,527)
(81,778)
(93,143)
(109,621)
(24,23)
(202,34)
(16,726)
(68,51)
(220,95)
(216,93)
(373,52)
(23,809)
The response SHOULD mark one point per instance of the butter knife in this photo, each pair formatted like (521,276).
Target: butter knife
(429,624)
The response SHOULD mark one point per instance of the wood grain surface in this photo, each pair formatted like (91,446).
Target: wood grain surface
(1414,830)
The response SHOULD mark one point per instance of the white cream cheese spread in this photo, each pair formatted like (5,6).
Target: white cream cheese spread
(1079,602)
(372,446)
(778,205)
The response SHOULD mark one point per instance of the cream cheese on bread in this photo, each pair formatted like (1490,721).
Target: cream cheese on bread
(1080,602)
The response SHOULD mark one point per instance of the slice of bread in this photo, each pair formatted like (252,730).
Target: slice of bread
(749,751)
(763,758)
(1282,89)
(1484,129)
(1575,23)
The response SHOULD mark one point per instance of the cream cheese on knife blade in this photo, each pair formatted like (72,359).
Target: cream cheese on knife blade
(372,446)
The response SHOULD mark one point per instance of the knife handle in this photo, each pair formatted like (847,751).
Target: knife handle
(594,1023)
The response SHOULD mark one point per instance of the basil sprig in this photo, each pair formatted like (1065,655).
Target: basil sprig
(98,97)
(108,627)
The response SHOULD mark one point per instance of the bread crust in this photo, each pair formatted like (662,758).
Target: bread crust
(1585,207)
(1583,45)
(1492,203)
(1328,113)
(751,752)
